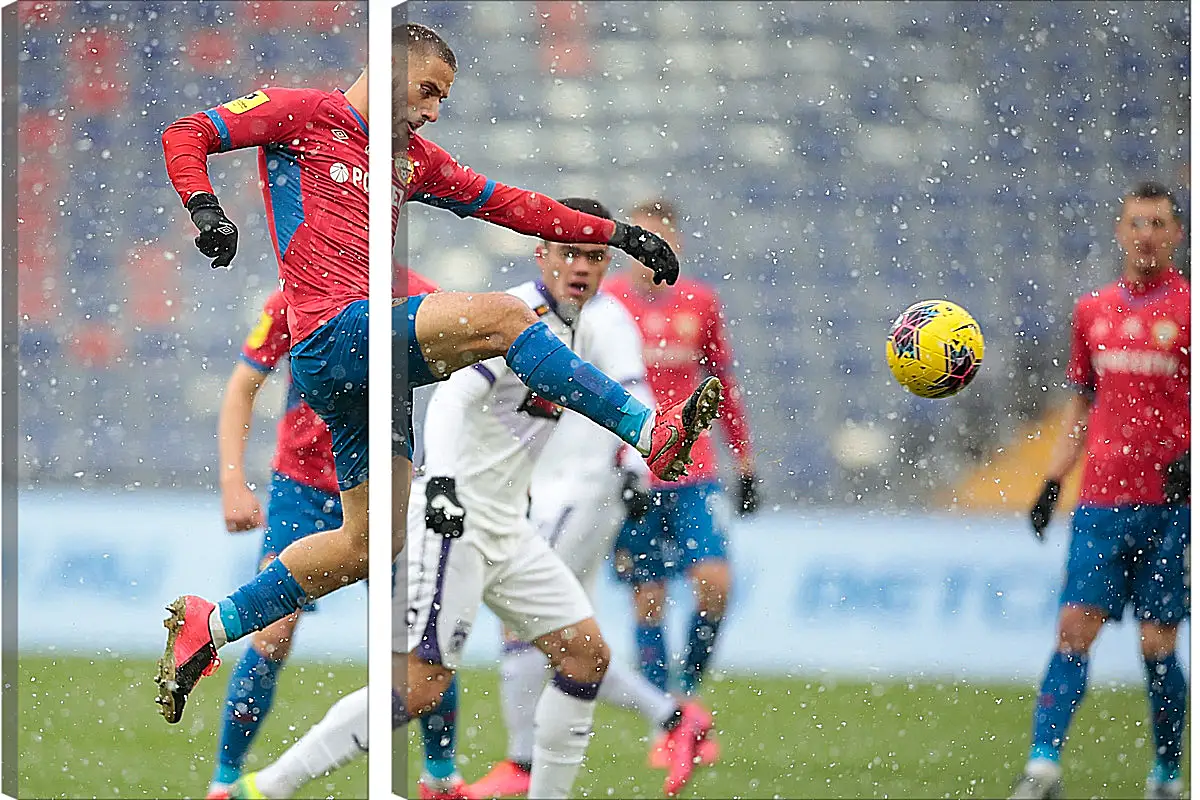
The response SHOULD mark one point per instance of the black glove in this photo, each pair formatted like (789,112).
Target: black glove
(443,513)
(1177,482)
(1043,509)
(635,496)
(748,496)
(648,248)
(218,236)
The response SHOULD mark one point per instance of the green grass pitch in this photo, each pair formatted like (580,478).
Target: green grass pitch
(89,728)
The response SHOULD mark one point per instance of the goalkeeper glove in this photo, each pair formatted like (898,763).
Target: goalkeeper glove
(218,236)
(1043,509)
(443,513)
(648,248)
(1177,481)
(635,495)
(748,495)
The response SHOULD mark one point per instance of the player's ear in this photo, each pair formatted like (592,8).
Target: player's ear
(539,252)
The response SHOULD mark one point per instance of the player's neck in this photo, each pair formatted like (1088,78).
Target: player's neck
(1139,281)
(356,96)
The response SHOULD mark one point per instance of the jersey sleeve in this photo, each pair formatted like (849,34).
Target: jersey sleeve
(1080,373)
(263,117)
(719,361)
(444,183)
(268,341)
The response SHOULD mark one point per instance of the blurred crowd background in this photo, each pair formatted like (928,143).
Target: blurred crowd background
(835,162)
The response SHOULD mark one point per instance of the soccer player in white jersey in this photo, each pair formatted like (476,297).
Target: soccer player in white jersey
(471,542)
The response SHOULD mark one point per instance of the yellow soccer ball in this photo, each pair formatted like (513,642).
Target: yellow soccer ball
(935,348)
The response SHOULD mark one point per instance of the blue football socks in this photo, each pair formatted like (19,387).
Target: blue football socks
(1167,689)
(701,642)
(556,373)
(439,731)
(270,596)
(248,700)
(1062,692)
(652,654)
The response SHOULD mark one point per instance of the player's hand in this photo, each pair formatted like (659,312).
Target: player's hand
(1177,482)
(648,248)
(242,510)
(443,513)
(1043,509)
(218,236)
(748,495)
(635,494)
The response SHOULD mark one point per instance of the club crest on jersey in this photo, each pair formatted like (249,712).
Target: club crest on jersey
(1165,332)
(404,169)
(244,104)
(542,310)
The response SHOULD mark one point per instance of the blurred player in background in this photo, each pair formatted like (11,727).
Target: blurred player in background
(582,482)
(303,499)
(686,526)
(314,170)
(1130,364)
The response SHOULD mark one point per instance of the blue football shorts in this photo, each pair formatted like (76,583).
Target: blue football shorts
(294,511)
(330,369)
(1130,555)
(684,526)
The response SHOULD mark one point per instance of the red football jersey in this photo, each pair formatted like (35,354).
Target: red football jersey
(683,329)
(314,173)
(313,170)
(303,449)
(1131,347)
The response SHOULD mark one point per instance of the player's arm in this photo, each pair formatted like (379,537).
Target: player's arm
(240,505)
(264,117)
(444,424)
(468,194)
(622,359)
(733,418)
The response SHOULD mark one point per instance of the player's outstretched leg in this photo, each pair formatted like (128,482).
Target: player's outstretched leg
(455,330)
(248,701)
(439,730)
(340,737)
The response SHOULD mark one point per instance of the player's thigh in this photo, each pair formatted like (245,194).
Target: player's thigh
(443,585)
(1161,587)
(1097,573)
(456,329)
(641,553)
(330,370)
(534,593)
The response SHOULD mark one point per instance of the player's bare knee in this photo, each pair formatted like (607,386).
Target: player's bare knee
(506,318)
(1158,641)
(1078,627)
(649,599)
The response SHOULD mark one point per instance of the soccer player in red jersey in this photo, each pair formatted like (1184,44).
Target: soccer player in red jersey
(1130,364)
(313,162)
(685,530)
